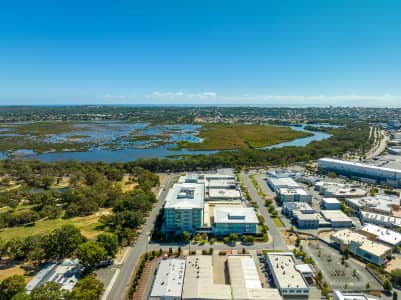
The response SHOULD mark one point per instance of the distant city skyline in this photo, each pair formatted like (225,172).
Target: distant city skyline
(271,53)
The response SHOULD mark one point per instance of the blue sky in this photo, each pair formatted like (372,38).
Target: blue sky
(321,52)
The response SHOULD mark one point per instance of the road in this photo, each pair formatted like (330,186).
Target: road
(275,236)
(121,284)
(379,143)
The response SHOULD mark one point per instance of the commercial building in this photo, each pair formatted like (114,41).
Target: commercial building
(169,280)
(361,246)
(339,190)
(306,220)
(380,219)
(240,220)
(223,194)
(337,295)
(66,274)
(381,204)
(276,183)
(293,195)
(287,278)
(360,170)
(336,218)
(289,208)
(380,234)
(330,204)
(183,210)
(243,283)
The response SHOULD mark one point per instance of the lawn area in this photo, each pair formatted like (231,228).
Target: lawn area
(277,221)
(241,136)
(87,225)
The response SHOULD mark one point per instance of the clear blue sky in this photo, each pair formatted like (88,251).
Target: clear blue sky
(222,52)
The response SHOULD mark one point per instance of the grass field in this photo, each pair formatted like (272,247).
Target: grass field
(241,136)
(87,225)
(277,221)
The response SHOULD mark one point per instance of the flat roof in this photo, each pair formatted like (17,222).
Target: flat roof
(335,216)
(224,193)
(306,217)
(348,235)
(375,217)
(235,215)
(209,207)
(358,164)
(185,196)
(292,206)
(169,278)
(221,183)
(350,296)
(331,201)
(383,234)
(283,181)
(283,266)
(293,191)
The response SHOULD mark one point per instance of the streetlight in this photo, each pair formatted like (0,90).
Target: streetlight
(147,241)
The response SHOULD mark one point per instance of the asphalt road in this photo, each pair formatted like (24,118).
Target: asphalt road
(121,284)
(275,236)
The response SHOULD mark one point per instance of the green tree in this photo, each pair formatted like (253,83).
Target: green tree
(87,288)
(396,275)
(11,286)
(48,291)
(387,285)
(395,295)
(186,236)
(91,253)
(109,242)
(62,242)
(233,237)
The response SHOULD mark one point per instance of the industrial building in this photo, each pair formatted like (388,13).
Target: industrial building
(293,195)
(336,218)
(306,220)
(243,283)
(379,219)
(380,234)
(337,295)
(240,220)
(330,204)
(169,280)
(339,190)
(276,183)
(381,204)
(183,210)
(355,169)
(361,246)
(287,278)
(289,208)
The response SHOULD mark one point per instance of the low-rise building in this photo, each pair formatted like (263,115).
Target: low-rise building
(380,234)
(379,219)
(381,204)
(293,195)
(339,190)
(289,208)
(240,220)
(276,183)
(361,246)
(337,295)
(224,194)
(337,218)
(306,220)
(330,203)
(183,210)
(169,280)
(287,278)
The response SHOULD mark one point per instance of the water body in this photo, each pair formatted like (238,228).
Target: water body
(123,149)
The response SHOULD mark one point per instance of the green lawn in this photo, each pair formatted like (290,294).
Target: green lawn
(277,221)
(241,136)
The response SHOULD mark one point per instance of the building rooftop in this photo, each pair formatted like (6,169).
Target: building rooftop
(293,206)
(185,196)
(224,193)
(235,215)
(381,203)
(337,295)
(284,269)
(300,216)
(382,234)
(374,217)
(293,191)
(331,201)
(209,207)
(169,278)
(283,181)
(335,216)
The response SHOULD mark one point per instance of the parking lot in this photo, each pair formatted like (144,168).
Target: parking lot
(349,276)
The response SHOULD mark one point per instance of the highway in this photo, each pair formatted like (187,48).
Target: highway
(120,288)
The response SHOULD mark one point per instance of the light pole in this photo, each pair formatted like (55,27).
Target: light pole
(147,241)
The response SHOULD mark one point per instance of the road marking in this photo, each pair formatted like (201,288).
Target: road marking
(111,284)
(122,260)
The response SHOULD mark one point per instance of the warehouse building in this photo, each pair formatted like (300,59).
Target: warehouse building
(239,220)
(289,208)
(381,204)
(294,195)
(276,183)
(287,278)
(183,210)
(330,204)
(306,220)
(380,234)
(361,246)
(169,280)
(379,219)
(337,295)
(339,190)
(336,218)
(360,170)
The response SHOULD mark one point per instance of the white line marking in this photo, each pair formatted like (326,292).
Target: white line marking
(111,284)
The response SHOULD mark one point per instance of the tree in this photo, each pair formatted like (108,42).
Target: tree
(109,242)
(48,291)
(87,288)
(91,253)
(186,236)
(396,275)
(387,285)
(233,237)
(63,241)
(11,286)
(395,295)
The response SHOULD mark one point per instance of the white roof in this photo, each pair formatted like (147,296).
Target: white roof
(382,203)
(285,272)
(235,215)
(335,216)
(293,206)
(371,217)
(283,182)
(185,196)
(350,296)
(293,191)
(169,278)
(224,193)
(304,268)
(383,234)
(300,216)
(331,200)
